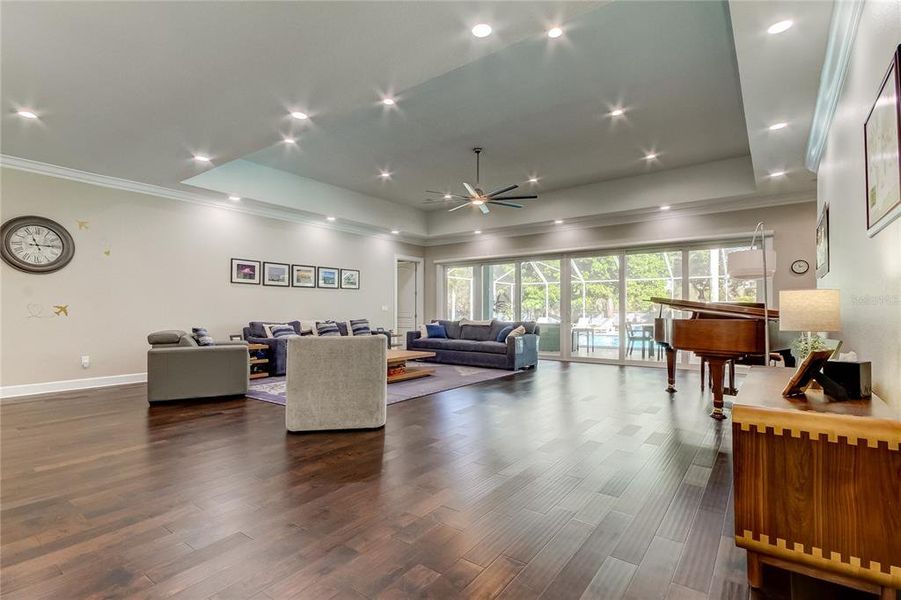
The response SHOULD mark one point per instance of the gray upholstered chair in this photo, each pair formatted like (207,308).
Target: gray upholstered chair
(336,383)
(179,369)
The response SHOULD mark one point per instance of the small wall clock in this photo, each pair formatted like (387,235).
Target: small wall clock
(36,244)
(800,266)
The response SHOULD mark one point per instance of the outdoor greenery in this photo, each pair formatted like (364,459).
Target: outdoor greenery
(459,292)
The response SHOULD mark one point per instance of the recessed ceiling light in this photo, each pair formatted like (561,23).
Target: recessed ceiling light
(388,101)
(477,231)
(300,116)
(665,207)
(395,232)
(385,174)
(202,158)
(617,112)
(533,180)
(554,32)
(558,222)
(290,140)
(447,196)
(481,30)
(777,173)
(330,218)
(650,156)
(778,126)
(234,198)
(780,26)
(27,114)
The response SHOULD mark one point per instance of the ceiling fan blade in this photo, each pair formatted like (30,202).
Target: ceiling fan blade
(484,209)
(501,191)
(434,192)
(458,207)
(472,191)
(502,203)
(516,198)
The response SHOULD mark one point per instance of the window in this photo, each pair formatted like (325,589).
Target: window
(648,275)
(459,286)
(540,300)
(709,282)
(500,290)
(594,306)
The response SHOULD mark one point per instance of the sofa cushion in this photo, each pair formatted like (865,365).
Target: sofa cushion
(452,328)
(476,333)
(461,345)
(327,328)
(167,336)
(518,331)
(280,331)
(436,330)
(503,333)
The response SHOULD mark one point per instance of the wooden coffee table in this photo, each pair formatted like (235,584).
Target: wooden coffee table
(399,358)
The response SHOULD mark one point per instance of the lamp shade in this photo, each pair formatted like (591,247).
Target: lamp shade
(748,264)
(809,310)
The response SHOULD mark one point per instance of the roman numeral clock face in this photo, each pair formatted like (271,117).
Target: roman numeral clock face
(36,245)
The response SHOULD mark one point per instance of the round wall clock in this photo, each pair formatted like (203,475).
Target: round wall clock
(36,245)
(800,266)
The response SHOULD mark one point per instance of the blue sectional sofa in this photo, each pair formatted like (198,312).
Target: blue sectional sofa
(475,344)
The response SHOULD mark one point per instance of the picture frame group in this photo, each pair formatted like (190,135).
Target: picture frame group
(274,274)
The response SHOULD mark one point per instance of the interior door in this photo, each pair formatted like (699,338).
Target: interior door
(406,298)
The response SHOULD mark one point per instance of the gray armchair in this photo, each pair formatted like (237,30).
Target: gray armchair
(179,369)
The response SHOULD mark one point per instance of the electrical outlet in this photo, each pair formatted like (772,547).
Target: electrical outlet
(85,361)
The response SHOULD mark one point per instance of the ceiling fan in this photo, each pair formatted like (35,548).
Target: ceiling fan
(477,197)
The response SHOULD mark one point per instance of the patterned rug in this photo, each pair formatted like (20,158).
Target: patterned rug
(446,377)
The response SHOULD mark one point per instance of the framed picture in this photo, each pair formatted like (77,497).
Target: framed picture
(882,151)
(276,274)
(303,276)
(350,279)
(327,277)
(235,337)
(245,271)
(823,243)
(802,377)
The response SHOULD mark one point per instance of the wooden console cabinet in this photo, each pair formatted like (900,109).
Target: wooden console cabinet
(817,484)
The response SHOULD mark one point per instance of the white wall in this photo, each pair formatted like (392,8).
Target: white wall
(168,267)
(866,270)
(793,225)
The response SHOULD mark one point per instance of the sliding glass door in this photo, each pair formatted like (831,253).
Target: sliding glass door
(594,307)
(460,292)
(500,291)
(540,300)
(648,275)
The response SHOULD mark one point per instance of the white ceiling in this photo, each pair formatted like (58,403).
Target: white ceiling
(132,90)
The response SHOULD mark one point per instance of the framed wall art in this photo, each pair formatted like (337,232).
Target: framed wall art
(276,274)
(823,243)
(327,277)
(350,279)
(303,276)
(245,271)
(882,151)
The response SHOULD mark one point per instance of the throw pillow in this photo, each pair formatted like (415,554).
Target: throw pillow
(280,331)
(267,328)
(423,332)
(360,327)
(503,333)
(202,336)
(308,328)
(436,330)
(517,332)
(327,328)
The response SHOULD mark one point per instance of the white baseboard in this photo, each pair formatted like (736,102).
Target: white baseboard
(30,389)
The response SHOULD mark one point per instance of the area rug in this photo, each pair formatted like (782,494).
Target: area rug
(446,377)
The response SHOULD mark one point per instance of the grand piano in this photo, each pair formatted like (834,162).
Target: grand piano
(716,331)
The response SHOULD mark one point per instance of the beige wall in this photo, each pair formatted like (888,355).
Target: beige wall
(168,267)
(866,270)
(793,227)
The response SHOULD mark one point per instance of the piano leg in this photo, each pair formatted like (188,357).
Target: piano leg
(670,369)
(717,370)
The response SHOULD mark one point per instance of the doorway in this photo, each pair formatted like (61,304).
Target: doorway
(408,297)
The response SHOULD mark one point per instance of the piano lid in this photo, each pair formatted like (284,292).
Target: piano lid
(718,308)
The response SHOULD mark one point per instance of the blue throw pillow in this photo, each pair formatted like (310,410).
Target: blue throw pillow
(326,328)
(280,331)
(202,336)
(436,330)
(503,333)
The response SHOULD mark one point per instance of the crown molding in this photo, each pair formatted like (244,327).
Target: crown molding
(842,31)
(248,207)
(636,216)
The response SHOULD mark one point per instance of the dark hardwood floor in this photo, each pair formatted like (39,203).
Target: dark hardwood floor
(575,481)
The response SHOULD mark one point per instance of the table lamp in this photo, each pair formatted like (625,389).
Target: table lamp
(809,311)
(755,263)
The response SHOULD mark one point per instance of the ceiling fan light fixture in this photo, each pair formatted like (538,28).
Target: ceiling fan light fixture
(554,32)
(481,30)
(477,202)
